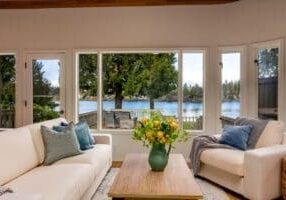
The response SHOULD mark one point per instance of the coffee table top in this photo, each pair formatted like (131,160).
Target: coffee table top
(136,180)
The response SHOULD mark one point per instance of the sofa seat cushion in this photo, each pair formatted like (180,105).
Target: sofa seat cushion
(228,160)
(99,157)
(56,182)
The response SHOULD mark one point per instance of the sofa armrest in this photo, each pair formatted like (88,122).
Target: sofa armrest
(262,169)
(102,138)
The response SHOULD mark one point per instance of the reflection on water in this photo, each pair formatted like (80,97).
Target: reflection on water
(229,108)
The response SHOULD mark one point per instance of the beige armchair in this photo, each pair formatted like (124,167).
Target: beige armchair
(256,173)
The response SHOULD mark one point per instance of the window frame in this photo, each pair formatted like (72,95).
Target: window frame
(100,52)
(18,107)
(253,105)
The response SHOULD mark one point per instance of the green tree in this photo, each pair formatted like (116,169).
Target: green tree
(88,75)
(159,77)
(151,75)
(7,81)
(43,103)
(268,62)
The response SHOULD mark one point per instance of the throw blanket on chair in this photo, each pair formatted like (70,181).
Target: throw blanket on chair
(204,142)
(200,144)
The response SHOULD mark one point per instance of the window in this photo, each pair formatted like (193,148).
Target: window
(136,84)
(7,90)
(230,84)
(87,99)
(46,89)
(268,64)
(193,90)
(116,89)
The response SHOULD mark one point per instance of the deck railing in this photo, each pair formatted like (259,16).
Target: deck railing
(190,122)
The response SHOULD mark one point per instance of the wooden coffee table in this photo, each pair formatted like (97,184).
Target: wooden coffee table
(135,180)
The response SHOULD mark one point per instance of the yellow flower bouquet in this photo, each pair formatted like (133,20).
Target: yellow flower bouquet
(157,132)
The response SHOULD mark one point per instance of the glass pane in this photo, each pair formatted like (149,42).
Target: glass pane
(268,83)
(46,89)
(134,85)
(7,91)
(88,89)
(193,91)
(230,85)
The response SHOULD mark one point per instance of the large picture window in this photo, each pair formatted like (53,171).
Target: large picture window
(7,90)
(193,90)
(230,84)
(134,85)
(87,99)
(268,67)
(127,87)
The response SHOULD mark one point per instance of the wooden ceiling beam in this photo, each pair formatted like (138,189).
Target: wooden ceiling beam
(27,4)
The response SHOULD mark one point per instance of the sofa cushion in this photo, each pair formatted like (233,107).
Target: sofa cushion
(271,135)
(59,145)
(99,157)
(224,159)
(35,130)
(56,182)
(17,153)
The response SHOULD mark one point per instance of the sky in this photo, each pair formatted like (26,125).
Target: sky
(52,71)
(192,68)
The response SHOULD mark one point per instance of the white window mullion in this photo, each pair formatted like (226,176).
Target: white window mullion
(180,88)
(99,91)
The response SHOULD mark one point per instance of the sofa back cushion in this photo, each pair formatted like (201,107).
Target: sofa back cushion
(17,152)
(35,130)
(271,135)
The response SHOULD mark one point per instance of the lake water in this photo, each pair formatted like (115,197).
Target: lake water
(229,108)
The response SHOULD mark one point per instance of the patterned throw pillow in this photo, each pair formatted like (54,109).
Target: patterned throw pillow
(59,145)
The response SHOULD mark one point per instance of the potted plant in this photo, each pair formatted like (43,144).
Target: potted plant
(160,133)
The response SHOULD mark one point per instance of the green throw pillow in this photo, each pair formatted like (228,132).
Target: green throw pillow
(59,145)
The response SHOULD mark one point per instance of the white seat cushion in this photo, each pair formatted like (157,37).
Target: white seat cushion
(17,154)
(99,157)
(56,182)
(224,159)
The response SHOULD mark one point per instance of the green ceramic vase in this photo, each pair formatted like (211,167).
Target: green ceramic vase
(158,157)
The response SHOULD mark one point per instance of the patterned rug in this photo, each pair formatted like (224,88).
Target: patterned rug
(210,191)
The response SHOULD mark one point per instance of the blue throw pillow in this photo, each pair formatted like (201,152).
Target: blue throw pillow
(236,136)
(90,137)
(82,133)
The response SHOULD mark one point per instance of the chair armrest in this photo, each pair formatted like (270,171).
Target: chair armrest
(262,169)
(101,138)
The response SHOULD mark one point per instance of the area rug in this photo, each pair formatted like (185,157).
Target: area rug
(210,191)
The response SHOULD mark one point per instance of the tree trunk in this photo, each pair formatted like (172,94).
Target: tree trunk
(118,96)
(152,104)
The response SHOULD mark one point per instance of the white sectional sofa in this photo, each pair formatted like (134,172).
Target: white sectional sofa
(73,178)
(256,173)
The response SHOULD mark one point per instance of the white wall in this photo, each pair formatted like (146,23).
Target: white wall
(239,23)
